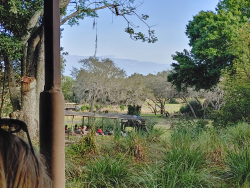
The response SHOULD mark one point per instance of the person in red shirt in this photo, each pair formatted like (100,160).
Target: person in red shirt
(99,131)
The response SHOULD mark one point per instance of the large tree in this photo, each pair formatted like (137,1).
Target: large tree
(162,91)
(98,82)
(211,35)
(22,44)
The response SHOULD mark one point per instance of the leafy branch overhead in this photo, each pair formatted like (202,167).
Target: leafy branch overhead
(73,11)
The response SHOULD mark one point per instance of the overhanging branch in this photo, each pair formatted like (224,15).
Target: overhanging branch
(79,11)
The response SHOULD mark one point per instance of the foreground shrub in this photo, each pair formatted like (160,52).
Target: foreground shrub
(181,168)
(107,172)
(238,135)
(186,168)
(156,134)
(212,144)
(86,145)
(73,168)
(238,167)
(233,112)
(134,144)
(186,132)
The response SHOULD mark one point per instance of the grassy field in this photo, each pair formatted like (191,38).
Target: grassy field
(191,154)
(170,108)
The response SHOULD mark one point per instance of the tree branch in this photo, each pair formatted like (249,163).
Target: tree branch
(64,3)
(79,11)
(33,21)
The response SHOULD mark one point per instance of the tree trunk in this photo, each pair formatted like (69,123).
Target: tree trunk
(32,82)
(162,106)
(40,75)
(190,107)
(28,108)
(92,104)
(153,108)
(14,94)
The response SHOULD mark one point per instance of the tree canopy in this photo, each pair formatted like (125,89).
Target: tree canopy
(162,91)
(211,35)
(100,82)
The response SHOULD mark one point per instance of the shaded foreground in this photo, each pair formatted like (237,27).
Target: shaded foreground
(189,155)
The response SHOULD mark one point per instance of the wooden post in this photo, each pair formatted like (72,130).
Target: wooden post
(51,120)
(82,121)
(72,126)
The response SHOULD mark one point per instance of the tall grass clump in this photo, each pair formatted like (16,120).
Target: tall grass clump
(150,122)
(107,172)
(237,161)
(155,135)
(73,168)
(184,165)
(134,144)
(238,167)
(180,168)
(87,144)
(238,135)
(187,132)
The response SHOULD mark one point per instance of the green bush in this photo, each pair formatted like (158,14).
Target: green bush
(232,112)
(134,110)
(85,108)
(173,101)
(86,145)
(196,106)
(122,107)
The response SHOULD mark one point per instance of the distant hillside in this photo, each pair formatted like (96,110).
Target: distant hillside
(129,65)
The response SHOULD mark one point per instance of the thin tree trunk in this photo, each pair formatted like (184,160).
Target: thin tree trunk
(190,107)
(40,76)
(162,106)
(92,104)
(153,108)
(2,97)
(14,94)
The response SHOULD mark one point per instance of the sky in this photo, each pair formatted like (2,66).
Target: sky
(169,19)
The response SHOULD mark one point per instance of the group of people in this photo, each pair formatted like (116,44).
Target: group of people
(84,130)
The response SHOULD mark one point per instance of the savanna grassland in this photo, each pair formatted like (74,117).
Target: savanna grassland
(192,153)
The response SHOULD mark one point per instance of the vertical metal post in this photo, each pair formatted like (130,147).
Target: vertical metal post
(82,121)
(52,134)
(72,125)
